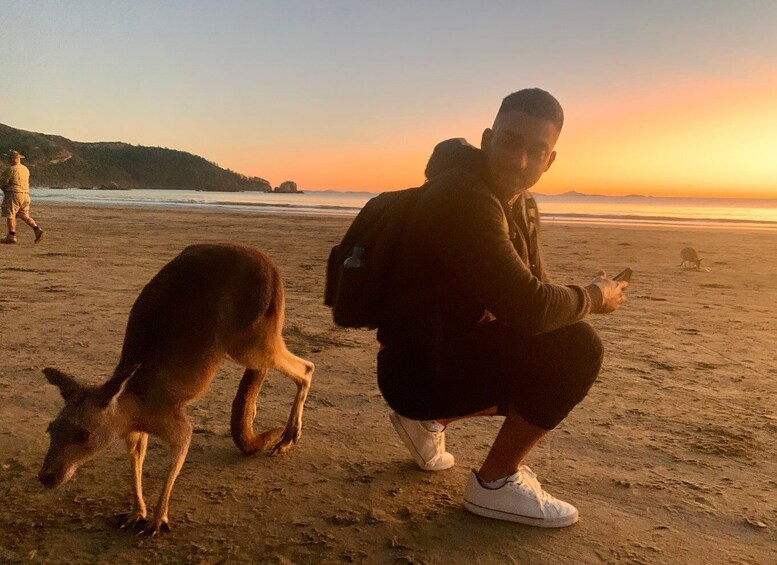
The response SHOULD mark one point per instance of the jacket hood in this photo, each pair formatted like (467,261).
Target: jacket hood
(454,154)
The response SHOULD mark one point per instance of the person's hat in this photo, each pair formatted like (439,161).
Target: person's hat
(13,153)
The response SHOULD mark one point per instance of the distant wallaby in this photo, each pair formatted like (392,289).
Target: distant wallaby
(690,259)
(209,303)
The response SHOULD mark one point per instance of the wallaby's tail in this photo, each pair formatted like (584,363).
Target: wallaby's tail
(243,412)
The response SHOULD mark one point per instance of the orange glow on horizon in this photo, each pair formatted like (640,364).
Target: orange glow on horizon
(349,167)
(707,138)
(713,139)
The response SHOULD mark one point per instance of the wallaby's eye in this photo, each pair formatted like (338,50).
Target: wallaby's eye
(81,436)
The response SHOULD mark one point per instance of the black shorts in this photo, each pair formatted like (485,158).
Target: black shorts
(540,377)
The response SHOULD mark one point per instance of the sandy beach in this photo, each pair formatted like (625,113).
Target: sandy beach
(670,459)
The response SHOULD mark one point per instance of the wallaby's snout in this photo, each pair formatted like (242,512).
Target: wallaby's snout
(49,479)
(63,458)
(61,461)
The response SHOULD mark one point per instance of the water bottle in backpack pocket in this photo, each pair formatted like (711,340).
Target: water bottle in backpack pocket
(355,261)
(355,294)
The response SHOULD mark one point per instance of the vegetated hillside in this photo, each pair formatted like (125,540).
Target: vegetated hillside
(56,161)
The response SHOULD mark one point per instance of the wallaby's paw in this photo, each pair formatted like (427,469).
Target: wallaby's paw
(271,438)
(287,440)
(134,520)
(155,527)
(282,447)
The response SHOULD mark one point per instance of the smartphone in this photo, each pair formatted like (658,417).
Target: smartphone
(624,275)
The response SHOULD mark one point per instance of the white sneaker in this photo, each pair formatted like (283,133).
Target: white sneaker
(425,441)
(520,499)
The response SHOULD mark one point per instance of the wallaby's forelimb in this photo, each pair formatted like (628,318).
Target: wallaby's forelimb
(179,436)
(301,372)
(244,412)
(137,444)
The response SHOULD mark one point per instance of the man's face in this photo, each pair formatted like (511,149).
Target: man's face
(518,149)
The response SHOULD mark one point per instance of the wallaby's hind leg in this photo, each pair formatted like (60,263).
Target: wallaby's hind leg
(178,433)
(244,412)
(137,443)
(301,372)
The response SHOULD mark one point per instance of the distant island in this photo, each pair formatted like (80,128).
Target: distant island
(58,162)
(287,187)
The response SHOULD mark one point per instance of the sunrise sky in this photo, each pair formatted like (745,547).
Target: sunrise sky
(661,98)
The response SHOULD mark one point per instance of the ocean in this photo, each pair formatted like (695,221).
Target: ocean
(758,214)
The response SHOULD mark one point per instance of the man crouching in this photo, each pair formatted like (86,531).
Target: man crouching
(473,327)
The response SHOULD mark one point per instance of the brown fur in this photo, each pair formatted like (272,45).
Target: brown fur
(690,259)
(209,303)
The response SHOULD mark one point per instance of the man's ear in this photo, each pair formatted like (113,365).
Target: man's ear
(110,392)
(485,139)
(68,387)
(551,159)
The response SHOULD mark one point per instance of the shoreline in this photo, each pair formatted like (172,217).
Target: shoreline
(349,213)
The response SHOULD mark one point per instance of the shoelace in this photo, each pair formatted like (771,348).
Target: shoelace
(438,434)
(529,478)
(439,441)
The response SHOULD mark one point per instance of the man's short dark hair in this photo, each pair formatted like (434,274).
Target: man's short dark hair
(535,102)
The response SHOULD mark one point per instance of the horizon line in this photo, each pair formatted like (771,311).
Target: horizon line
(567,193)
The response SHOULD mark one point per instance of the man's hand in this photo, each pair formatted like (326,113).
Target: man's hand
(613,294)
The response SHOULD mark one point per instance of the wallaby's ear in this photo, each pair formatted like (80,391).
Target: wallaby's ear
(68,387)
(112,390)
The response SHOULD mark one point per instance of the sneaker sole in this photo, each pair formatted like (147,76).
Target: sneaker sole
(562,522)
(411,448)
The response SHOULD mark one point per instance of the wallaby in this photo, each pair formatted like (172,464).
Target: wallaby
(690,259)
(208,303)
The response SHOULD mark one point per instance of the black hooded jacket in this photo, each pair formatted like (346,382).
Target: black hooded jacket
(466,257)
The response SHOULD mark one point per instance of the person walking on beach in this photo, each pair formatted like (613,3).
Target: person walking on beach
(472,325)
(15,184)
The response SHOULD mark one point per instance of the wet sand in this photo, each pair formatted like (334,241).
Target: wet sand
(670,459)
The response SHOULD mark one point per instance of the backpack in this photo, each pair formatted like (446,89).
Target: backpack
(356,293)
